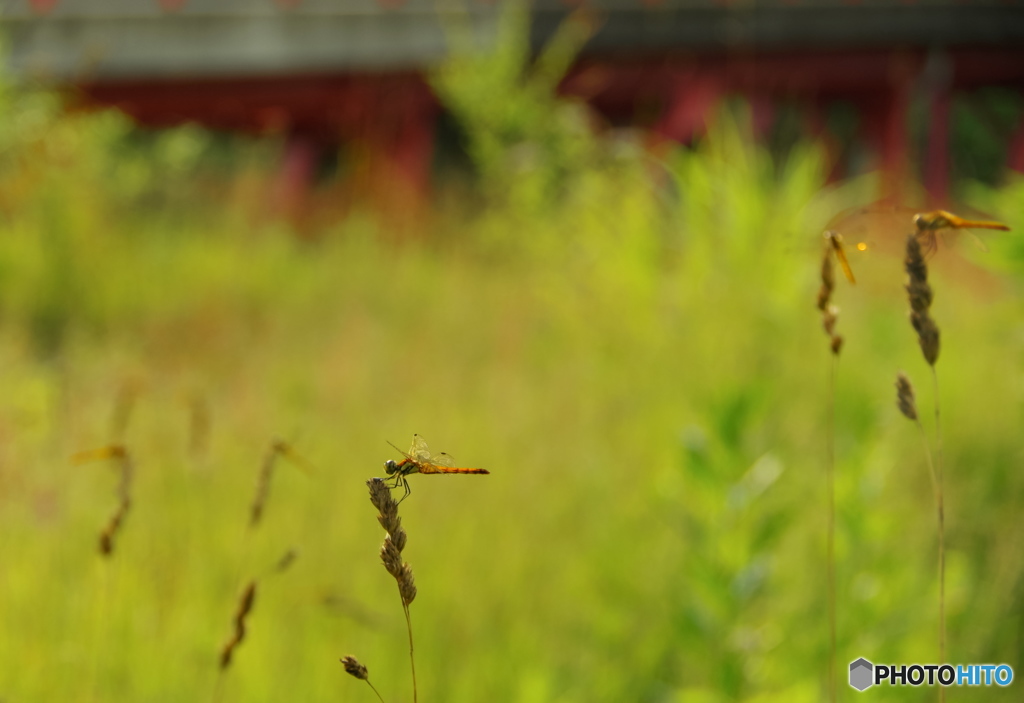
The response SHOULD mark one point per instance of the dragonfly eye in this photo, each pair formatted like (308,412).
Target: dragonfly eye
(390,466)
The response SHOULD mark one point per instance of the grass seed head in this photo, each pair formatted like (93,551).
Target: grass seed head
(919,294)
(407,585)
(905,396)
(353,667)
(828,278)
(829,312)
(837,344)
(927,335)
(245,604)
(394,541)
(391,557)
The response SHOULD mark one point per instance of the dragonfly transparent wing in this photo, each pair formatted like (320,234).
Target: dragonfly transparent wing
(977,241)
(443,459)
(419,450)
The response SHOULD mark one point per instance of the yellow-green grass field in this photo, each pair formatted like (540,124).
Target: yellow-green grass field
(629,344)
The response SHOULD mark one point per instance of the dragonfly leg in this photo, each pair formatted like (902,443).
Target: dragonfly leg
(408,490)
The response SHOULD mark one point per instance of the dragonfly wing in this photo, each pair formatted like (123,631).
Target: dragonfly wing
(882,226)
(976,240)
(418,450)
(298,461)
(437,464)
(443,459)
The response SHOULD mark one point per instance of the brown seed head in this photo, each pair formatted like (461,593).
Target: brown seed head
(914,263)
(353,667)
(399,537)
(837,344)
(391,557)
(927,335)
(380,496)
(919,294)
(828,319)
(394,541)
(905,397)
(407,585)
(828,278)
(245,604)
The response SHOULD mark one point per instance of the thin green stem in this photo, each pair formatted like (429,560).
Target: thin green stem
(831,530)
(379,697)
(940,504)
(412,659)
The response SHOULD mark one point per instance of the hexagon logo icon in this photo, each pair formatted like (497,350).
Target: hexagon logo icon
(860,674)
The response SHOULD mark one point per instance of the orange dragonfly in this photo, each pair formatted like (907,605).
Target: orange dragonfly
(836,241)
(928,223)
(419,460)
(878,225)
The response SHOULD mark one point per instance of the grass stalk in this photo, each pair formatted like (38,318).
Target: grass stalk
(833,250)
(920,295)
(391,556)
(940,505)
(831,529)
(412,657)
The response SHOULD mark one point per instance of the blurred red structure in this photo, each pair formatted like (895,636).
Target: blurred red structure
(330,72)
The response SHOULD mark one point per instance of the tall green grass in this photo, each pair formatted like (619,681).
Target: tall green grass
(634,354)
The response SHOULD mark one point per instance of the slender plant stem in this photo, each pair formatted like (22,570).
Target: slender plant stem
(935,474)
(941,507)
(412,659)
(831,530)
(100,623)
(218,686)
(379,697)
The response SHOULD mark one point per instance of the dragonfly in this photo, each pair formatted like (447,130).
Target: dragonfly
(419,460)
(836,241)
(876,225)
(929,223)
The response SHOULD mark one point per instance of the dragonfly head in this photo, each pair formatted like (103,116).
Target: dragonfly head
(390,466)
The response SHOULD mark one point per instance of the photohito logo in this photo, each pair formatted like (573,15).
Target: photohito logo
(864,674)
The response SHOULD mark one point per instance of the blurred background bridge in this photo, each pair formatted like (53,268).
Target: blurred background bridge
(326,73)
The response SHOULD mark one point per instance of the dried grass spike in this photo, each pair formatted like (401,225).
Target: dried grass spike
(919,294)
(259,500)
(905,396)
(353,667)
(828,279)
(124,490)
(407,585)
(927,336)
(391,556)
(245,604)
(286,560)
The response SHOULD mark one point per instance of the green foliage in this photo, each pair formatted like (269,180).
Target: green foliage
(530,146)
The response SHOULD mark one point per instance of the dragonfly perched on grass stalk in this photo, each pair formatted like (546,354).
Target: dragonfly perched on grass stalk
(419,460)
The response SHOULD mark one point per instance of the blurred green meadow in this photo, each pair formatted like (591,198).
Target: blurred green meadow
(630,345)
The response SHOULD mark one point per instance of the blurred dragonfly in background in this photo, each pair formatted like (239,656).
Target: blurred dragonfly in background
(886,227)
